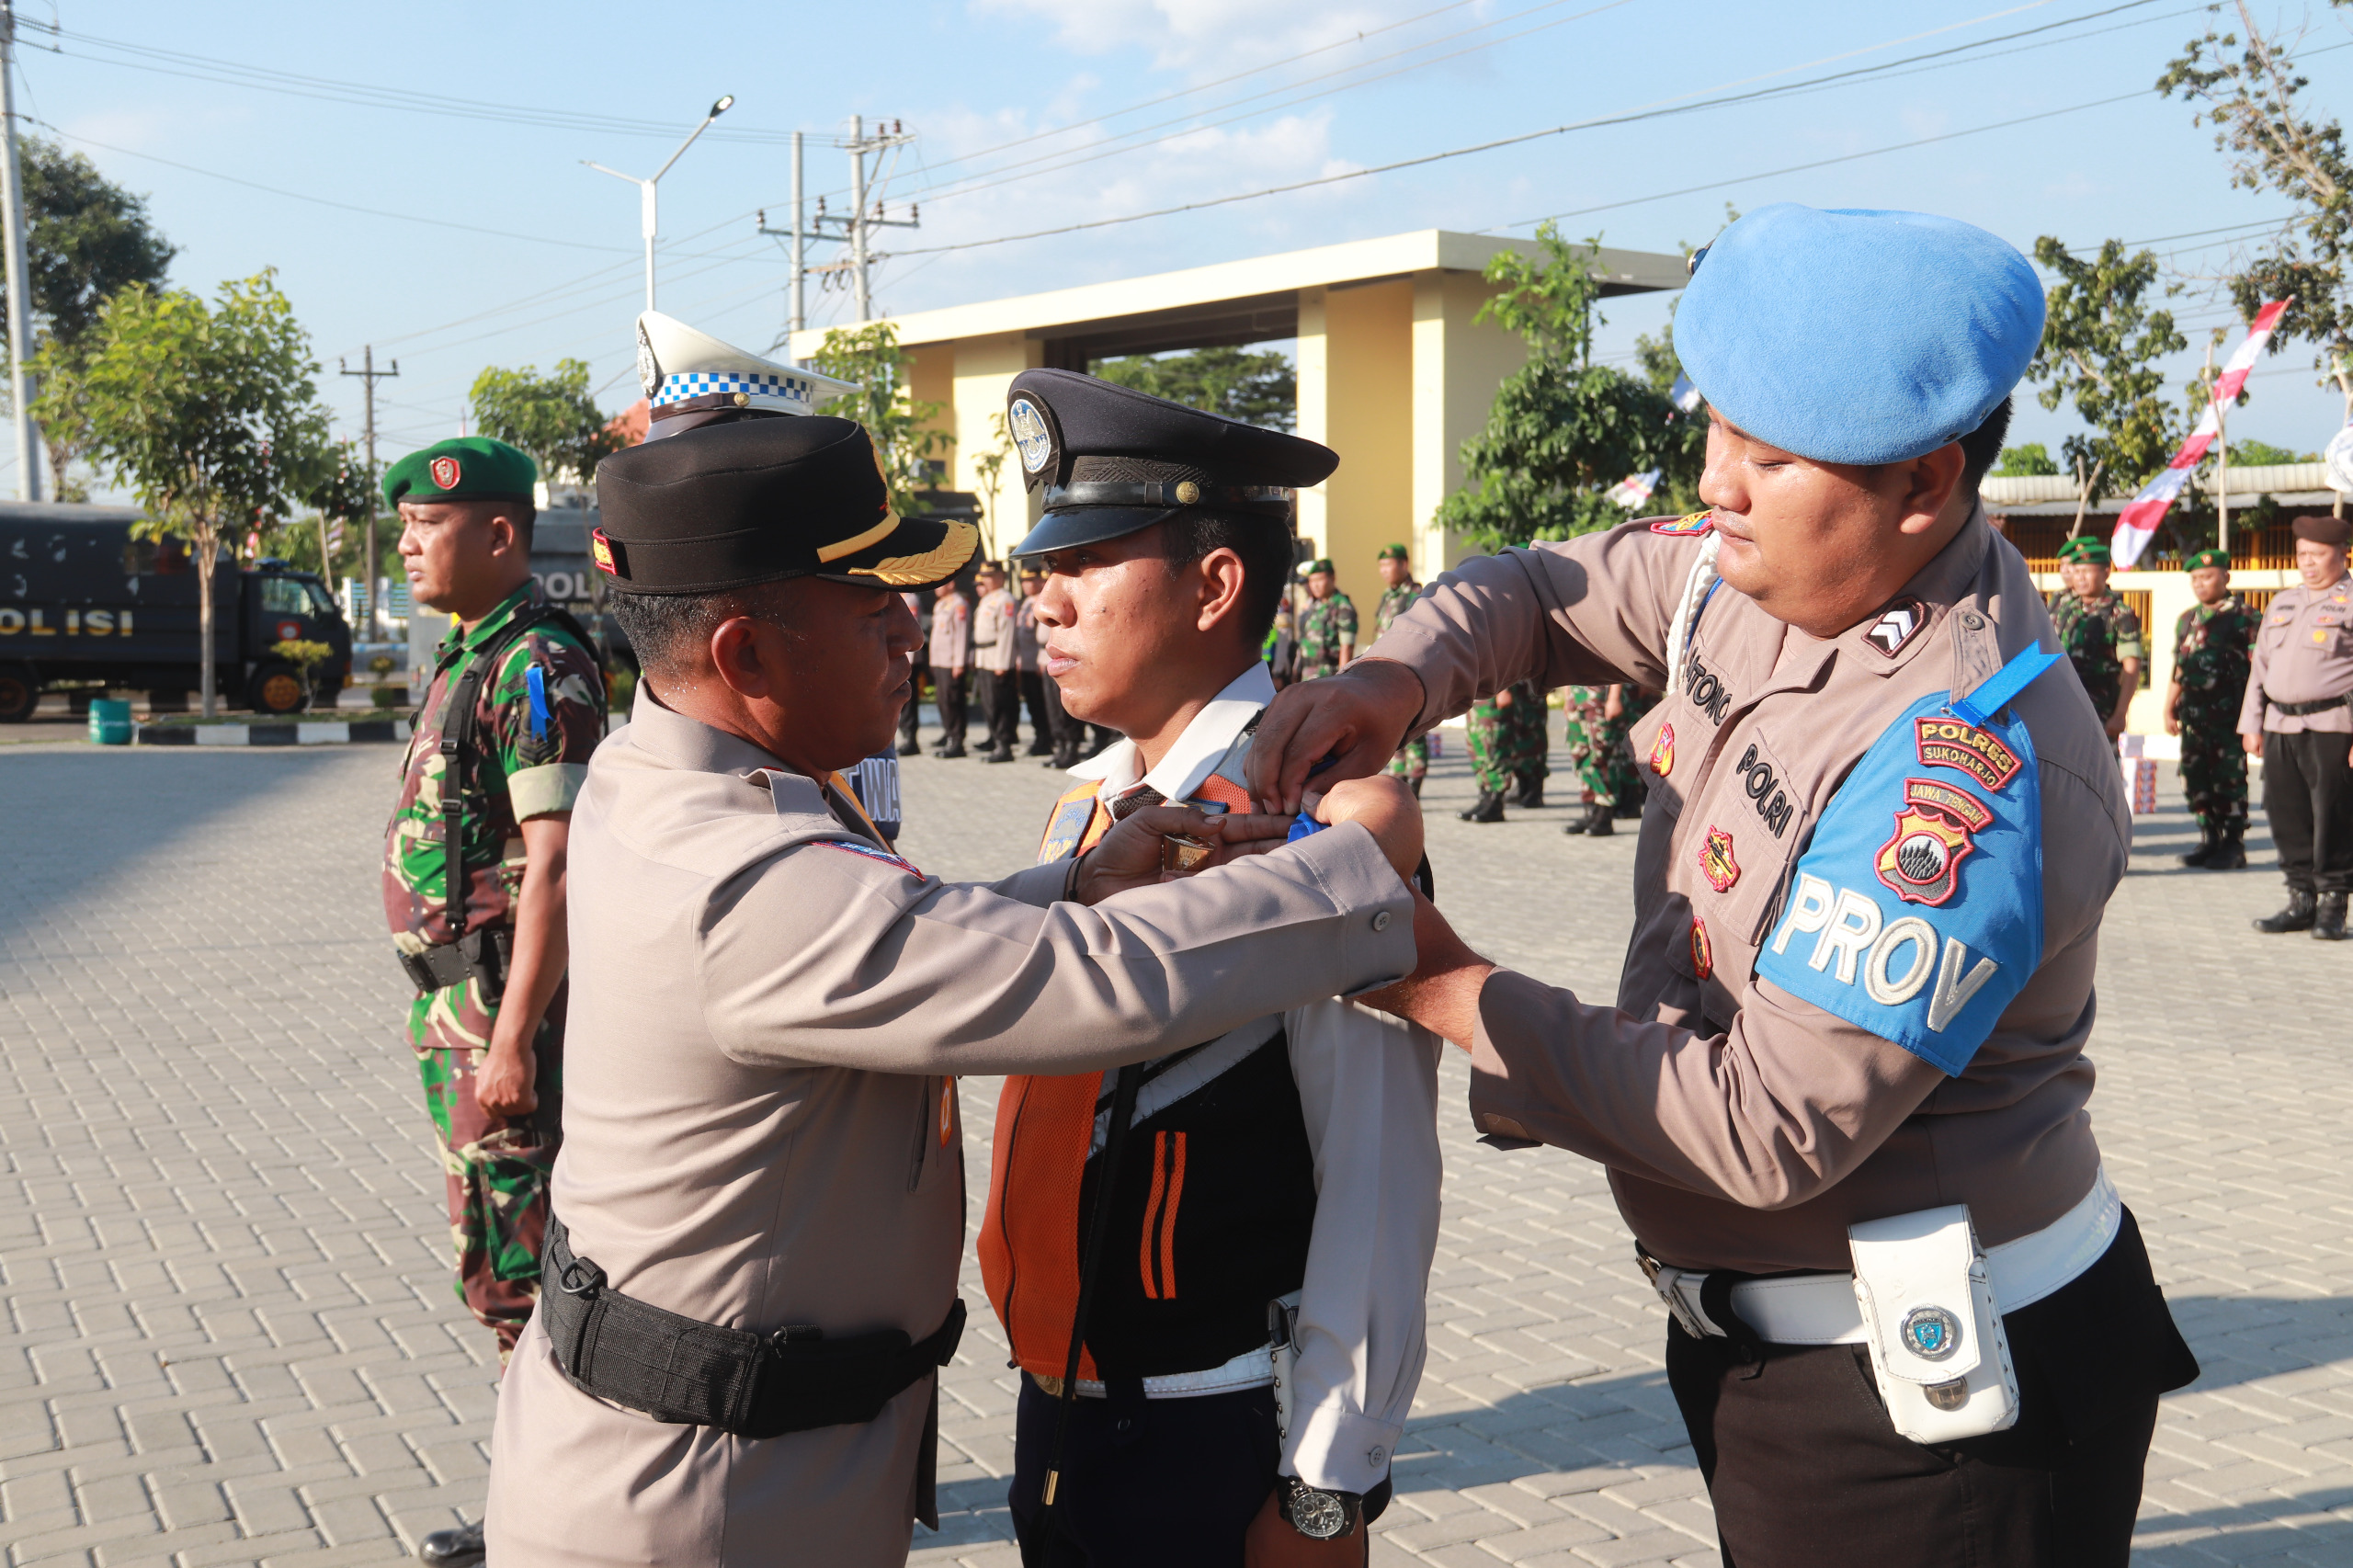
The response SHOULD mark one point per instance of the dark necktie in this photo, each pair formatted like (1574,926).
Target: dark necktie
(1135,800)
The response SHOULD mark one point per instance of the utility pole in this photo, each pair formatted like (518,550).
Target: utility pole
(648,198)
(856,226)
(800,317)
(20,314)
(369,376)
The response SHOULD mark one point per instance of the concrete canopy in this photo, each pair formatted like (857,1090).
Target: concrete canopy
(1394,374)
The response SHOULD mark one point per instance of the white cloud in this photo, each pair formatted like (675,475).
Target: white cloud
(1203,37)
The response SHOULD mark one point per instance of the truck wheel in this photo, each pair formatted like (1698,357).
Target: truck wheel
(276,689)
(19,693)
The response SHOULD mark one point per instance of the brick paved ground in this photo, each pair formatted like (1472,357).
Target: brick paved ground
(229,1336)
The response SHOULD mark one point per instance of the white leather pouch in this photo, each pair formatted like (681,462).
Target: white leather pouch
(1937,1348)
(1282,1338)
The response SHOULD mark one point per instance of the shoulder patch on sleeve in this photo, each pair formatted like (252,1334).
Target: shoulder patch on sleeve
(1917,912)
(1690,525)
(848,847)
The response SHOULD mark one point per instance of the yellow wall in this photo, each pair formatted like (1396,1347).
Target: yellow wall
(1457,367)
(1356,358)
(983,371)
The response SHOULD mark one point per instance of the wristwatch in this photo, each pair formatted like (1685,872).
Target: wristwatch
(1314,1513)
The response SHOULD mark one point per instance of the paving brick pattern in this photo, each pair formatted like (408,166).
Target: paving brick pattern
(229,1335)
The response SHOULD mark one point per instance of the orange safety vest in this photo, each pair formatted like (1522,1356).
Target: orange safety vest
(1029,1238)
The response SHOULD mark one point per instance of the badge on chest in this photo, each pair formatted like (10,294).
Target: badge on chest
(1066,828)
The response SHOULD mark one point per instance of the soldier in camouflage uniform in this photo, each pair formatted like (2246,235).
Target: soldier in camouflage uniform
(1399,590)
(1508,743)
(1599,720)
(2213,643)
(2099,631)
(487,1023)
(1327,626)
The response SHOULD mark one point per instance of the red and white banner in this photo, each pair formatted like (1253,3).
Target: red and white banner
(2138,523)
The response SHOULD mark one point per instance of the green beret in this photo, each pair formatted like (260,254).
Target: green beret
(464,468)
(1321,563)
(1393,552)
(2221,558)
(2085,547)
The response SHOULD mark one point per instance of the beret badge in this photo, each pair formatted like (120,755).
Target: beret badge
(446,472)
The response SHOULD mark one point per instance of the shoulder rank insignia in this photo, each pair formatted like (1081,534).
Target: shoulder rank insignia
(1894,628)
(1689,525)
(872,853)
(1067,827)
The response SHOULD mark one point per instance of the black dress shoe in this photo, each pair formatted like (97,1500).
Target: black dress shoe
(1005,755)
(2328,920)
(460,1548)
(2297,917)
(911,749)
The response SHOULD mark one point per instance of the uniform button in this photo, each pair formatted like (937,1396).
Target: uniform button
(1380,920)
(1971,619)
(1374,1456)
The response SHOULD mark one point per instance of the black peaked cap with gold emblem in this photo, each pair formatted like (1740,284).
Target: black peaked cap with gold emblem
(1113,460)
(729,505)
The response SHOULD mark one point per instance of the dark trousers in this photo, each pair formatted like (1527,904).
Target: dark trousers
(1001,705)
(2308,795)
(947,691)
(1065,730)
(1147,1482)
(1806,1471)
(909,716)
(1041,724)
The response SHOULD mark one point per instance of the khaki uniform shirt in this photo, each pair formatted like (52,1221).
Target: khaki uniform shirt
(768,1013)
(951,633)
(993,640)
(1743,1126)
(2304,653)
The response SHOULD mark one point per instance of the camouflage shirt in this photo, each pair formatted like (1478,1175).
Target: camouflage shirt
(514,775)
(2213,646)
(1324,626)
(1395,602)
(2098,636)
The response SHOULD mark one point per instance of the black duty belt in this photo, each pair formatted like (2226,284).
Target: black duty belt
(2298,710)
(481,955)
(754,1385)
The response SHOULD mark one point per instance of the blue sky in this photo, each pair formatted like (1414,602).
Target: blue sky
(460,131)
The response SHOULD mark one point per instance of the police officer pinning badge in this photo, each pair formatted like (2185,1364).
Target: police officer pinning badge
(1931,1332)
(1716,862)
(446,472)
(1032,437)
(1896,627)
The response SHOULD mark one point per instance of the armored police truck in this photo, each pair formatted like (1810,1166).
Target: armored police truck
(82,603)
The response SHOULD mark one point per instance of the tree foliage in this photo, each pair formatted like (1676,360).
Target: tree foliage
(2248,86)
(2100,346)
(87,238)
(2263,454)
(1563,430)
(1256,387)
(2028,460)
(553,417)
(903,427)
(342,493)
(208,413)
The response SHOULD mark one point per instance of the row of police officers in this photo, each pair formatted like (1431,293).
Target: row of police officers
(1841,1091)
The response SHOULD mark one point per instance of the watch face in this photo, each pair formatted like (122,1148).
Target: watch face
(1319,1516)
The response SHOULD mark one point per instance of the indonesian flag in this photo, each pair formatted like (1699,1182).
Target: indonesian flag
(1633,490)
(2138,523)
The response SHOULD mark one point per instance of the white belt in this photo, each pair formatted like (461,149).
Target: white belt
(1820,1309)
(1251,1369)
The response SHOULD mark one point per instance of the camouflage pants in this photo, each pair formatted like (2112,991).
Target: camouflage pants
(1414,761)
(495,1168)
(2213,771)
(1509,743)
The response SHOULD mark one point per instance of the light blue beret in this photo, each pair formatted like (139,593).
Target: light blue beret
(1858,336)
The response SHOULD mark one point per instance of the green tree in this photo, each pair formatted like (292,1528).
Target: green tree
(2263,454)
(902,427)
(1563,428)
(344,493)
(2100,344)
(208,413)
(553,417)
(2030,460)
(1257,389)
(87,238)
(2250,91)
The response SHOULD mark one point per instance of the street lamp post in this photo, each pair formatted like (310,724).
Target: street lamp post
(648,215)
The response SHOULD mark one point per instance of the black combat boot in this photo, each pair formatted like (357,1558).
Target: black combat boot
(2230,851)
(1600,822)
(909,748)
(1531,791)
(2328,920)
(1489,808)
(2297,917)
(2206,847)
(460,1548)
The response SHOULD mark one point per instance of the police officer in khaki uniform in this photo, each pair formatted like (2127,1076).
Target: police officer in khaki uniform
(759,1209)
(1842,1093)
(2296,720)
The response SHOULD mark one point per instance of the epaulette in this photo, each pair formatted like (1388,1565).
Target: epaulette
(1689,525)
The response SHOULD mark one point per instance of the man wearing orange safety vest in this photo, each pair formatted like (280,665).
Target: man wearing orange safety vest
(1230,1244)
